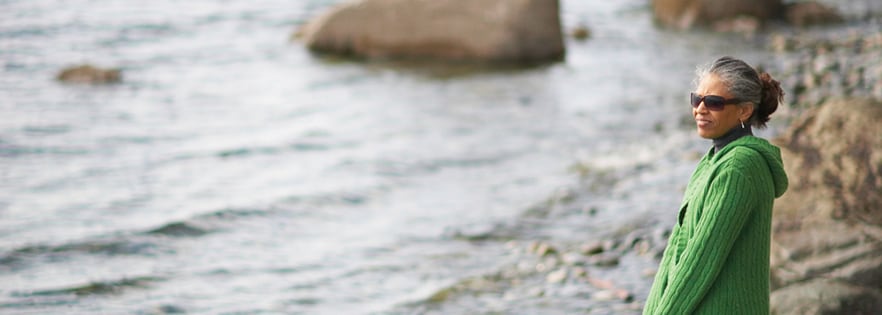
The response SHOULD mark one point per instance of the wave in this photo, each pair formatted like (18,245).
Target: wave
(46,129)
(96,287)
(149,242)
(13,150)
(271,150)
(22,257)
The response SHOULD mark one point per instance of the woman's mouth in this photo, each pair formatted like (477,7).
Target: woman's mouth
(702,123)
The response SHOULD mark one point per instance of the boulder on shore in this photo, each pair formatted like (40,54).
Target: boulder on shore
(88,74)
(739,16)
(811,13)
(461,30)
(822,296)
(687,14)
(829,224)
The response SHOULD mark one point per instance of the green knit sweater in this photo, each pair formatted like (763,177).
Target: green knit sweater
(717,258)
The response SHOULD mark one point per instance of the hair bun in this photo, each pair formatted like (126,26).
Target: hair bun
(771,95)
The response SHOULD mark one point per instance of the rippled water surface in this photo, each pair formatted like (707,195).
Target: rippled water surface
(233,172)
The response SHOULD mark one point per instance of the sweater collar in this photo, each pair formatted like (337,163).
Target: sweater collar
(731,135)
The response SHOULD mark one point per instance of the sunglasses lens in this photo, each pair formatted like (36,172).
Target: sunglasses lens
(695,99)
(714,102)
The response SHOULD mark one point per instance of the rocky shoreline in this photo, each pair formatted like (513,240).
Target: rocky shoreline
(817,66)
(825,73)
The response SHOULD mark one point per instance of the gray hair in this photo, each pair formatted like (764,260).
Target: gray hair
(741,79)
(748,85)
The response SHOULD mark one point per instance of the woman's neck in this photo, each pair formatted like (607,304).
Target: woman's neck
(731,135)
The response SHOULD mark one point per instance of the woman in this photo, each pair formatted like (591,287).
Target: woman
(717,258)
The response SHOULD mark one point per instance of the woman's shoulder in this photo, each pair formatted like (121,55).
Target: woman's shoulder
(746,153)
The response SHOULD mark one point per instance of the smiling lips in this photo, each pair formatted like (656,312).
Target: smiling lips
(702,123)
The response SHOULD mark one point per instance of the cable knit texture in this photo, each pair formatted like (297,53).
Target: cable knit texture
(717,258)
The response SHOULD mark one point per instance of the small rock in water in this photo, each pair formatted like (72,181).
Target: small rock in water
(643,247)
(624,295)
(536,292)
(592,248)
(580,272)
(88,74)
(781,43)
(169,309)
(573,259)
(605,295)
(581,32)
(542,249)
(557,276)
(604,260)
(601,283)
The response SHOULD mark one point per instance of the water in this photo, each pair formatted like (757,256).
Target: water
(232,172)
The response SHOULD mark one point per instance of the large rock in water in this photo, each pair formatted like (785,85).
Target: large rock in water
(487,30)
(829,224)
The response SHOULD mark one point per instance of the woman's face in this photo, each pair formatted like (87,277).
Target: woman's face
(713,124)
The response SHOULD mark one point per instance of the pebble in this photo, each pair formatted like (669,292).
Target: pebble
(828,63)
(579,272)
(605,295)
(557,276)
(542,249)
(581,32)
(592,248)
(604,260)
(573,259)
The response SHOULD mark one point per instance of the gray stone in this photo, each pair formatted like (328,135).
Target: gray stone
(825,297)
(717,14)
(490,30)
(89,74)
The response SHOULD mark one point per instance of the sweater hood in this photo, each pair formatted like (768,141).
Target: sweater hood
(770,153)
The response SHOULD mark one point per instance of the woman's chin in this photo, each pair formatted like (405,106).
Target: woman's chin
(704,133)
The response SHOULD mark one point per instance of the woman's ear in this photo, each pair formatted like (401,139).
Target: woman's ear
(746,112)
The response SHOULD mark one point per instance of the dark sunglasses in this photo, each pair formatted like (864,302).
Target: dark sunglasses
(712,102)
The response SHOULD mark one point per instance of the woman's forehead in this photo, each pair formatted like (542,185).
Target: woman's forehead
(712,85)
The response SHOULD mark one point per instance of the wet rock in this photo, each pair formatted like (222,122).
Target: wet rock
(605,295)
(604,260)
(493,30)
(601,283)
(557,276)
(782,43)
(178,229)
(643,247)
(169,309)
(613,294)
(542,249)
(592,248)
(573,259)
(624,295)
(581,273)
(745,25)
(829,223)
(827,297)
(88,74)
(687,14)
(811,13)
(580,32)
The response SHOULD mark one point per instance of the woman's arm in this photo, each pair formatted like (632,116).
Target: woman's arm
(727,206)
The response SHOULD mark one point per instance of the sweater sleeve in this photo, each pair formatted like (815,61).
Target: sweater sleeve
(661,279)
(727,206)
